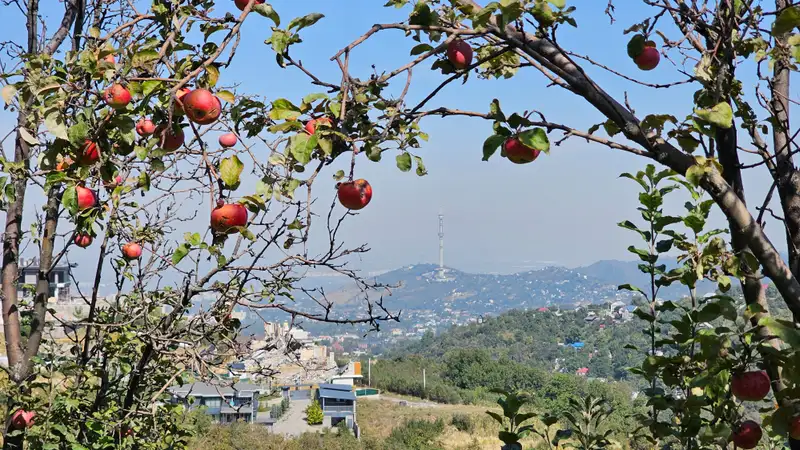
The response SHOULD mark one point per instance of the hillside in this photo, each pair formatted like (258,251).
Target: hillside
(620,272)
(542,339)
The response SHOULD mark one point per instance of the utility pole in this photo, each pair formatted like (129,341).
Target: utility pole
(423,379)
(369,372)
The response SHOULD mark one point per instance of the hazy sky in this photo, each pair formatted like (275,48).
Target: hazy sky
(562,209)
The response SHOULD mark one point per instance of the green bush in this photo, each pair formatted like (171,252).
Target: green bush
(416,435)
(314,414)
(462,422)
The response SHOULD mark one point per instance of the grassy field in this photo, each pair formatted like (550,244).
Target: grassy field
(377,418)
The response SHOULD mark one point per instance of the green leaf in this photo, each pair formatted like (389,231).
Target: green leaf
(301,146)
(421,170)
(636,46)
(420,49)
(535,138)
(305,21)
(783,329)
(558,3)
(491,144)
(311,98)
(326,145)
(495,112)
(266,10)
(787,20)
(283,109)
(8,93)
(193,238)
(226,96)
(720,115)
(404,162)
(629,287)
(230,169)
(77,133)
(496,416)
(70,199)
(144,57)
(180,253)
(695,173)
(149,86)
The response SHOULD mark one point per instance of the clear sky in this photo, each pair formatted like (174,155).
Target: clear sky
(561,209)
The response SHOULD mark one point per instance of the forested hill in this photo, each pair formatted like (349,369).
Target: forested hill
(543,339)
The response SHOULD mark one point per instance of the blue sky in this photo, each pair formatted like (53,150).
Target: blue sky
(561,209)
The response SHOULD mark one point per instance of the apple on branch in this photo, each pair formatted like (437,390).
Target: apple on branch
(228,217)
(354,195)
(750,386)
(202,107)
(643,52)
(228,140)
(459,53)
(117,96)
(747,435)
(131,251)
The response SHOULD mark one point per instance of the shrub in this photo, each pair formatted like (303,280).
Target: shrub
(314,414)
(416,435)
(462,422)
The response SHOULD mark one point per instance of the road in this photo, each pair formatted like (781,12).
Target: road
(293,423)
(403,402)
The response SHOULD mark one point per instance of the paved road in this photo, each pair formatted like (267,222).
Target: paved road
(293,423)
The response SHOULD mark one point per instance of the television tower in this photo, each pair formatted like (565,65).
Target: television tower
(441,244)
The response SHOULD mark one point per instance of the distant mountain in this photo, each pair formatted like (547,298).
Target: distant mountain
(621,272)
(425,287)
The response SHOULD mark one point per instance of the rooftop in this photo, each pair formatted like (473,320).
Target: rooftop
(336,394)
(214,390)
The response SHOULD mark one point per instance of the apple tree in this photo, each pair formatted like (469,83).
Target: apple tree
(739,56)
(186,196)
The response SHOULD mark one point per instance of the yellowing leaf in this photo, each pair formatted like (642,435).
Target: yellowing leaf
(212,75)
(226,96)
(8,92)
(230,169)
(720,115)
(28,137)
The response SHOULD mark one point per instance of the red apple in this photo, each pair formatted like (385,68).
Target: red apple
(649,58)
(201,106)
(227,216)
(794,428)
(459,53)
(145,127)
(750,386)
(241,4)
(311,125)
(110,59)
(117,96)
(747,435)
(168,139)
(131,250)
(228,140)
(22,419)
(86,198)
(354,194)
(90,153)
(83,240)
(519,153)
(177,108)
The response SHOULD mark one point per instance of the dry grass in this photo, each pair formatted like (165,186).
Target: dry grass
(377,418)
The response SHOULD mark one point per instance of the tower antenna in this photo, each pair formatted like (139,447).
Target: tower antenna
(441,244)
